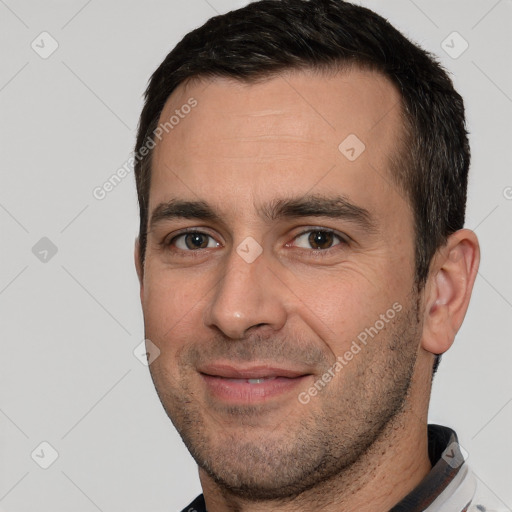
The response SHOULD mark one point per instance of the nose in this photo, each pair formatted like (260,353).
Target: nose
(248,295)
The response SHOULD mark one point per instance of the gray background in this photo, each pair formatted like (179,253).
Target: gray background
(70,321)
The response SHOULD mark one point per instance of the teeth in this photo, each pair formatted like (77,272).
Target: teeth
(253,381)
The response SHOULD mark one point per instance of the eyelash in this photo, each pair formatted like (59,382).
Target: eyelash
(318,253)
(167,244)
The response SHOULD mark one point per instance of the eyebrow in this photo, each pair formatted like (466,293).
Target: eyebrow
(334,207)
(176,209)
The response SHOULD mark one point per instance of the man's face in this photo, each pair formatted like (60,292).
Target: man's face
(272,253)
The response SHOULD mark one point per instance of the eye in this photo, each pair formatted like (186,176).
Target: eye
(192,241)
(318,239)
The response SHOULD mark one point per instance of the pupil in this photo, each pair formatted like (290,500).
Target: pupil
(320,239)
(196,241)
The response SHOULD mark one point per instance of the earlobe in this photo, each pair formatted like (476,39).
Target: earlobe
(448,290)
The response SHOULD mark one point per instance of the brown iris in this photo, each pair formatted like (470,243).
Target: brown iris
(196,240)
(321,239)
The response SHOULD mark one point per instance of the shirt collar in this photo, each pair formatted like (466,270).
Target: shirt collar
(448,473)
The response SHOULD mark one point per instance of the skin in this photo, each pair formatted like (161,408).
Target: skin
(361,442)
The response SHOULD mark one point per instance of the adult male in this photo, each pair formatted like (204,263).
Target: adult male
(301,173)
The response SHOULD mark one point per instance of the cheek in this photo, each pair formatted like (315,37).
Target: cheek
(172,308)
(344,306)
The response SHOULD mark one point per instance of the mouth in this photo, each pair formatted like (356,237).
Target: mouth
(252,384)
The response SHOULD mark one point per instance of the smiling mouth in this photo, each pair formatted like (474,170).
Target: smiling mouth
(253,372)
(251,384)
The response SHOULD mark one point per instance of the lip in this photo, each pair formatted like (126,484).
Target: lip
(231,384)
(260,371)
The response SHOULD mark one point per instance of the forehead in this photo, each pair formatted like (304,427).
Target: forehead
(290,129)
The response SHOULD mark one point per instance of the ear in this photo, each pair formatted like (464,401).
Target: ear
(138,266)
(448,290)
